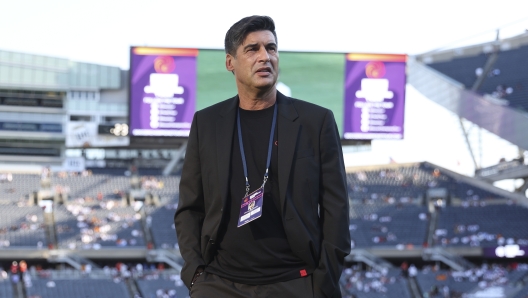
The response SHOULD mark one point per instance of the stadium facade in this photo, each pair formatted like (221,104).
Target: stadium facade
(45,99)
(68,115)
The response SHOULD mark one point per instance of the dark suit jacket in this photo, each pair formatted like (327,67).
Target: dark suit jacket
(312,188)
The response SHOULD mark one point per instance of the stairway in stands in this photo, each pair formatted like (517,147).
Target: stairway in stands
(51,235)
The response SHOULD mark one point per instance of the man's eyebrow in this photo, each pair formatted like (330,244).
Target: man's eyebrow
(251,45)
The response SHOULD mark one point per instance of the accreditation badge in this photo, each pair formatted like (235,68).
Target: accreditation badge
(251,207)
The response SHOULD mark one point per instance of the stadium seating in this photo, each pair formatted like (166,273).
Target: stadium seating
(169,189)
(22,226)
(462,69)
(523,293)
(490,225)
(387,211)
(19,187)
(373,284)
(376,225)
(387,206)
(62,288)
(155,287)
(91,185)
(411,182)
(518,276)
(6,289)
(434,283)
(161,225)
(508,71)
(92,227)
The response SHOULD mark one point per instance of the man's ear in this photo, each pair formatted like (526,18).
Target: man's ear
(229,63)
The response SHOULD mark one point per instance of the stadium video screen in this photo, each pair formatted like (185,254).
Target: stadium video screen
(366,92)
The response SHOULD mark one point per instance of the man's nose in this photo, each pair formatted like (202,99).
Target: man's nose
(263,55)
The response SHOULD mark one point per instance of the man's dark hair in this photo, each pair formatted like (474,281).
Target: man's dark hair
(238,32)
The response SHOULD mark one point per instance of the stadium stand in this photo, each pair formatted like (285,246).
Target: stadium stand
(445,283)
(506,80)
(167,188)
(83,186)
(22,226)
(157,286)
(160,222)
(15,187)
(490,225)
(94,215)
(388,225)
(433,284)
(388,208)
(371,284)
(6,289)
(140,281)
(409,182)
(462,69)
(523,293)
(68,287)
(92,226)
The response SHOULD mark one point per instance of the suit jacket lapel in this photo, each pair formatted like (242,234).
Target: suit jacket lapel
(288,130)
(225,125)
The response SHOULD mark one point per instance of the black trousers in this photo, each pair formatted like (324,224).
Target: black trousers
(210,285)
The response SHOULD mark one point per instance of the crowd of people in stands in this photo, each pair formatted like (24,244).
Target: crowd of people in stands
(480,278)
(355,280)
(151,183)
(442,283)
(95,228)
(19,272)
(371,281)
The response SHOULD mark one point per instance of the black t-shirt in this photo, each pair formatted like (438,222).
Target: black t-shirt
(257,252)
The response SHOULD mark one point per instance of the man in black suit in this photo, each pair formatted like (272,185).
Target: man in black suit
(263,208)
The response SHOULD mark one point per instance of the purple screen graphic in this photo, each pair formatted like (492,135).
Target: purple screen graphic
(162,91)
(374,98)
(508,251)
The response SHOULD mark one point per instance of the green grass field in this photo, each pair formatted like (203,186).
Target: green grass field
(313,77)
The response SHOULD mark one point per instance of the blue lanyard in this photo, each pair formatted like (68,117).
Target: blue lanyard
(269,147)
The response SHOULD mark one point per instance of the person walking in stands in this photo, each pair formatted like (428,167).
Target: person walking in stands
(263,209)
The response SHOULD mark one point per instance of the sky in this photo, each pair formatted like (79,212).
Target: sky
(102,32)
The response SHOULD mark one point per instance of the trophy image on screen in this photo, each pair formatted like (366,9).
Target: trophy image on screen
(374,90)
(164,85)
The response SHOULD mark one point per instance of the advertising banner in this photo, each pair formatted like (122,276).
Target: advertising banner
(374,96)
(84,134)
(33,127)
(162,91)
(73,164)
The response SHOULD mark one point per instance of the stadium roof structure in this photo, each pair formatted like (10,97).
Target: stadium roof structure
(484,84)
(23,71)
(498,68)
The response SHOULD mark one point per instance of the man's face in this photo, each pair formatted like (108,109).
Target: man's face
(256,63)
